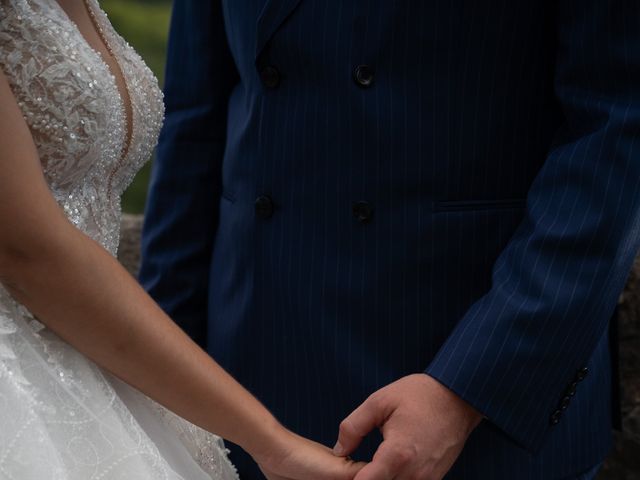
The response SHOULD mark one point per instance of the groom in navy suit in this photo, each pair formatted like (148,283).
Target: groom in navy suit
(415,215)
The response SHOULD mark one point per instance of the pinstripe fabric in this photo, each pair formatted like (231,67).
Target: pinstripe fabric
(495,150)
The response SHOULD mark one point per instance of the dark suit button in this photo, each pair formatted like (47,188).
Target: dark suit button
(582,373)
(555,417)
(565,402)
(270,76)
(264,207)
(362,211)
(363,75)
(571,391)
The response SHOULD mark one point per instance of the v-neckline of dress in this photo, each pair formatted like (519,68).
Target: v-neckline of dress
(126,118)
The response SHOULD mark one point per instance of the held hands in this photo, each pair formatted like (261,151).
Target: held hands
(424,425)
(291,457)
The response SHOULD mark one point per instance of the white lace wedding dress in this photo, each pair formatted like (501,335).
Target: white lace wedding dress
(62,417)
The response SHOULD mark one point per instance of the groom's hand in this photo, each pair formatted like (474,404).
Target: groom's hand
(424,425)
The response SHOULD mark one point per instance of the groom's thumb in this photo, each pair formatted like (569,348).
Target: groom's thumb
(356,426)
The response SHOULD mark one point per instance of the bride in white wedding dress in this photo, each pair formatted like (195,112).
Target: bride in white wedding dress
(79,114)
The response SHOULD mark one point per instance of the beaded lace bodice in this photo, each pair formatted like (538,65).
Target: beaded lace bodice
(61,416)
(74,109)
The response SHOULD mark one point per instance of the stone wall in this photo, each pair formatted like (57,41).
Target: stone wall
(624,461)
(129,250)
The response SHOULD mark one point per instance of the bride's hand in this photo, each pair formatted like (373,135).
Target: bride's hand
(292,457)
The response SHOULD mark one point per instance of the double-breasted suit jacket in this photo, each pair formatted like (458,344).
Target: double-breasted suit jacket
(347,192)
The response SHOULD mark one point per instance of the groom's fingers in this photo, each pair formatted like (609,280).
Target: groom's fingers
(391,461)
(355,427)
(347,471)
(374,471)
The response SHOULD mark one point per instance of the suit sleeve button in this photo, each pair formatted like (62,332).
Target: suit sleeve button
(564,404)
(555,417)
(582,373)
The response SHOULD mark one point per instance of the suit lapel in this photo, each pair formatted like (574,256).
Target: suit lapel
(273,14)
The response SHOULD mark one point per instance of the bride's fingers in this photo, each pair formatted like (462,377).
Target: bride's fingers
(344,470)
(323,465)
(374,471)
(355,468)
(303,459)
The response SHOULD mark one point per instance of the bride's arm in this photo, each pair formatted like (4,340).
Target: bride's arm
(83,294)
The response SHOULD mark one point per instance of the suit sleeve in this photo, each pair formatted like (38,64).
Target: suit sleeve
(556,283)
(182,208)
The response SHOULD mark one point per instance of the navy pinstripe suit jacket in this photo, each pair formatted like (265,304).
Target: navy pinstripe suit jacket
(349,191)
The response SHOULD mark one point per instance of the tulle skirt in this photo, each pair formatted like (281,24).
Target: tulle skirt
(64,418)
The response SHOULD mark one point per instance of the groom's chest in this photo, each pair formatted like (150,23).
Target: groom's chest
(332,31)
(292,25)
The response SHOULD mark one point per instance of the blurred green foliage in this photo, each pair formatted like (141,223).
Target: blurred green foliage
(145,25)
